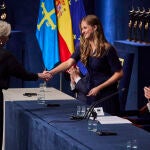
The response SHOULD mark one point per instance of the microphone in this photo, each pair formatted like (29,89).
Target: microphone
(76,117)
(91,109)
(89,112)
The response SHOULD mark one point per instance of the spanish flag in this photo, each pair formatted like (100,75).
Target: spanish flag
(65,33)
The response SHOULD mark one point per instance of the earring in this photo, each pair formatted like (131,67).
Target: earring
(1,43)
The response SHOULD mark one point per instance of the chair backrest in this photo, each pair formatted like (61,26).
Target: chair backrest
(127,63)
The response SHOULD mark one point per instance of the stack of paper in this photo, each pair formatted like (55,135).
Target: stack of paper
(112,120)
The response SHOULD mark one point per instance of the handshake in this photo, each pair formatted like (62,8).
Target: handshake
(45,75)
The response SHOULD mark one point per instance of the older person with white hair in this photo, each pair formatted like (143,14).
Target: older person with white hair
(5,30)
(9,66)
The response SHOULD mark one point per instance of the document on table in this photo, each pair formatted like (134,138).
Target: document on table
(112,120)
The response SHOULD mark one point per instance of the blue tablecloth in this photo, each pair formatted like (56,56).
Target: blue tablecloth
(30,126)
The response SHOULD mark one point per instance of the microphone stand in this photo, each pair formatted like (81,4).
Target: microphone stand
(90,111)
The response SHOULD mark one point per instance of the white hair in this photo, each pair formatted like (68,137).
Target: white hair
(5,28)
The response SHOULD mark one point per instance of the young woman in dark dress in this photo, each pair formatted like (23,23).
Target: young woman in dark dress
(102,63)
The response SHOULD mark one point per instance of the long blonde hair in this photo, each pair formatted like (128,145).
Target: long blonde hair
(98,36)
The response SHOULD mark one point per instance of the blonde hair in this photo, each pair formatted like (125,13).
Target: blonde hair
(99,39)
(5,28)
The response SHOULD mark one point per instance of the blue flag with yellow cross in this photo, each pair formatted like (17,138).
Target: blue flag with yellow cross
(46,33)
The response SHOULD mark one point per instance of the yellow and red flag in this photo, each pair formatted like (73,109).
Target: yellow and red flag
(65,33)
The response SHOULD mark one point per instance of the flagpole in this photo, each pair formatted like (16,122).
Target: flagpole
(60,82)
(44,83)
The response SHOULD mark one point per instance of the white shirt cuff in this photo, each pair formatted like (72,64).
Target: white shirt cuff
(72,86)
(148,106)
(77,79)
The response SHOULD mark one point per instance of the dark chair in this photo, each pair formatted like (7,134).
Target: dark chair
(127,63)
(139,118)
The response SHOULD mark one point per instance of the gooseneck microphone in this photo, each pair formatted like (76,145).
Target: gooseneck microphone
(90,110)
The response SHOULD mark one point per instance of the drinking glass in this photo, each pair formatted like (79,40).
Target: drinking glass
(41,94)
(92,125)
(134,144)
(128,146)
(81,110)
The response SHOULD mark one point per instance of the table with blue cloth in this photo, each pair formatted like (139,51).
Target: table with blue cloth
(31,126)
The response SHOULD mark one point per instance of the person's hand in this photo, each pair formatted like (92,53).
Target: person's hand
(74,72)
(43,76)
(93,92)
(147,92)
(49,74)
(71,70)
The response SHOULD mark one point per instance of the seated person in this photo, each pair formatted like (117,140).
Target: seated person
(78,84)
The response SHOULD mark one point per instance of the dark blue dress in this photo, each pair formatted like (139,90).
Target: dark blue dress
(99,70)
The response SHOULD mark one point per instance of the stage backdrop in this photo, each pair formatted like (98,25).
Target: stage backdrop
(23,15)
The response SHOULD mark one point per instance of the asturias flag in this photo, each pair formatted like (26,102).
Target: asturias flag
(46,33)
(65,34)
(77,13)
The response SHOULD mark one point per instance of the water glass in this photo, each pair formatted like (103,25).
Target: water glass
(132,145)
(92,125)
(128,146)
(81,110)
(41,94)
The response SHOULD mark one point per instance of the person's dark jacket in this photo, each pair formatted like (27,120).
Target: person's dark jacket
(9,66)
(82,88)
